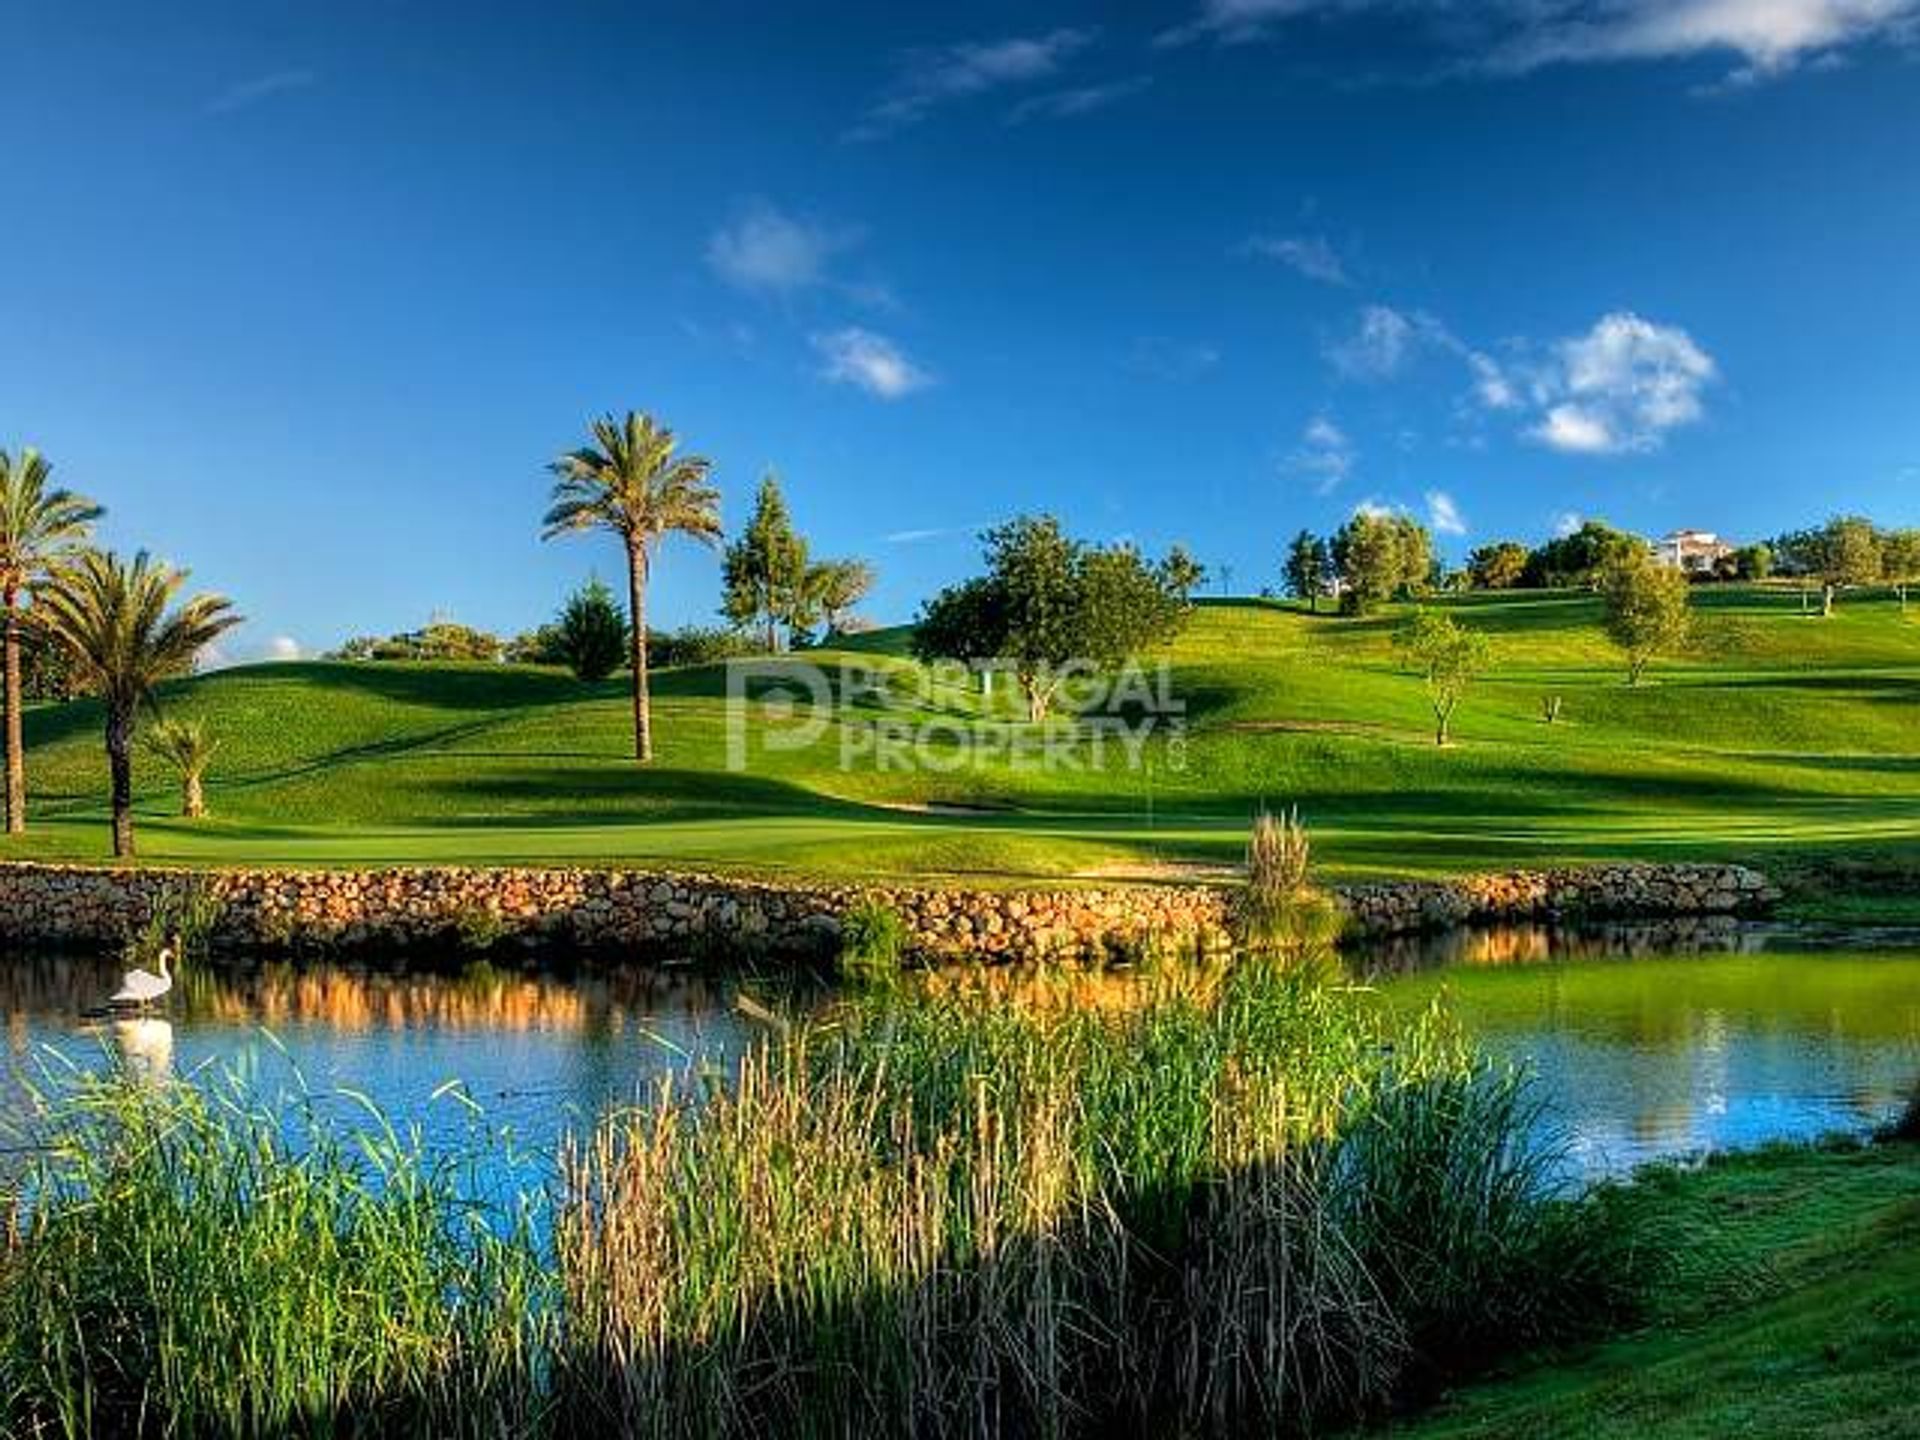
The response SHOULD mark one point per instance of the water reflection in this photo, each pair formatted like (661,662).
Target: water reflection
(145,1047)
(1648,1040)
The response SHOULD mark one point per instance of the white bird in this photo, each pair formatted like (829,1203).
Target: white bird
(143,987)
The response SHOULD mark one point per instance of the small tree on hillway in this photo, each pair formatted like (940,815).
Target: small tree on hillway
(1182,574)
(1842,554)
(1449,657)
(1048,603)
(1309,568)
(1646,608)
(1900,562)
(589,636)
(186,746)
(834,587)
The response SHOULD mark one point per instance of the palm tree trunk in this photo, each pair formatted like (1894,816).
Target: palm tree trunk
(637,607)
(120,765)
(16,745)
(194,801)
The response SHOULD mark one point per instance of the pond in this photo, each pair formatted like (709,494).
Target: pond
(1647,1041)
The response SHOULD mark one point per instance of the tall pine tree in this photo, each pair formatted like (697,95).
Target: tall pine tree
(765,573)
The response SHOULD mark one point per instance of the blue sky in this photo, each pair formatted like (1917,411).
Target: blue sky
(309,293)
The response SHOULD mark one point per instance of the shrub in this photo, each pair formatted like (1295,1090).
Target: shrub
(873,941)
(590,635)
(1278,908)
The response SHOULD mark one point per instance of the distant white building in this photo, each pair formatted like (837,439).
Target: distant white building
(1694,551)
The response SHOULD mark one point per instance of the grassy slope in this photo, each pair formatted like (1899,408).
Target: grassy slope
(1801,1317)
(1788,737)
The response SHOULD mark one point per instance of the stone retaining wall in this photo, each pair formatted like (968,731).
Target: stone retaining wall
(663,914)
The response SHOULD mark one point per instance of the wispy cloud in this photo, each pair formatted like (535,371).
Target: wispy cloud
(932,77)
(1384,341)
(1443,515)
(766,249)
(1308,255)
(1763,38)
(1161,358)
(1324,454)
(1077,100)
(869,362)
(937,532)
(248,93)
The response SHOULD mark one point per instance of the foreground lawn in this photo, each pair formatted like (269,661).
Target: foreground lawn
(1785,740)
(1799,1316)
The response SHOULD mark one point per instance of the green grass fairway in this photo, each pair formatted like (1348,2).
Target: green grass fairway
(1787,740)
(1798,1317)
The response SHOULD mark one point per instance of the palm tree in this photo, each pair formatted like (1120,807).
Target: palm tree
(189,749)
(37,527)
(113,619)
(630,481)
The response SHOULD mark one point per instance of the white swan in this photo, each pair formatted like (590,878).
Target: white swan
(143,987)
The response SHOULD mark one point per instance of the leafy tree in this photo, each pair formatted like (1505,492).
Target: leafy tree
(119,623)
(1449,657)
(189,749)
(631,481)
(1046,603)
(590,634)
(1577,559)
(1646,608)
(1420,570)
(1753,562)
(835,586)
(39,526)
(1309,568)
(538,646)
(1182,574)
(1366,553)
(1498,567)
(765,574)
(1843,553)
(1900,561)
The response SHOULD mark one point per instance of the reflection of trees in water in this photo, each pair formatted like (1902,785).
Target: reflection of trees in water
(352,998)
(1540,943)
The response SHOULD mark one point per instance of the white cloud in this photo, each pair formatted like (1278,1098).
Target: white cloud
(282,647)
(1763,37)
(1443,515)
(1324,453)
(767,250)
(1768,36)
(1622,386)
(1568,522)
(1076,101)
(1491,384)
(933,77)
(1376,509)
(249,93)
(870,362)
(1309,255)
(1385,340)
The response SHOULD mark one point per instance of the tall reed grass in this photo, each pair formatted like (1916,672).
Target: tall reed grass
(1241,1200)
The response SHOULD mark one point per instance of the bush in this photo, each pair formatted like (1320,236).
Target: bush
(873,941)
(697,645)
(590,635)
(1278,908)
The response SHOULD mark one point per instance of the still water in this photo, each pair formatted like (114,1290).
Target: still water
(1646,1042)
